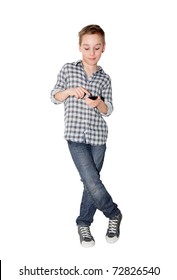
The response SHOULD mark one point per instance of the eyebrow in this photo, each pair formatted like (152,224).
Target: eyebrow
(89,45)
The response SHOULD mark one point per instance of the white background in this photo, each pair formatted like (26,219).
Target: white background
(40,188)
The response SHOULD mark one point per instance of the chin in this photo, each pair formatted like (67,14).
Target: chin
(92,61)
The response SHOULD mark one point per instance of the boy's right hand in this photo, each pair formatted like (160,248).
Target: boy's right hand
(78,92)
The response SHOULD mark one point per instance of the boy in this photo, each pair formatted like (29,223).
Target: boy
(85,89)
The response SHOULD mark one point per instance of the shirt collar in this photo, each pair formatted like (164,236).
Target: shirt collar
(79,62)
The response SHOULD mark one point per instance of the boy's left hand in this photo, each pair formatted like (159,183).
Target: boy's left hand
(93,103)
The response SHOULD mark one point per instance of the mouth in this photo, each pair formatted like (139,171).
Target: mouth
(92,58)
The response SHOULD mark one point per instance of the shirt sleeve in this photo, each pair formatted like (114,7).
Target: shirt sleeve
(59,86)
(107,94)
(110,109)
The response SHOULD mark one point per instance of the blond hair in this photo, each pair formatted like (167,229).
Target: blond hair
(91,29)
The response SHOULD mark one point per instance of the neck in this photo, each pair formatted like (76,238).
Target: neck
(89,69)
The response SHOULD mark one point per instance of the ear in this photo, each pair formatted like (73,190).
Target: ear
(79,47)
(104,48)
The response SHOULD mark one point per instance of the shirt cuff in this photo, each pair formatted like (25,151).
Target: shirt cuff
(110,109)
(53,99)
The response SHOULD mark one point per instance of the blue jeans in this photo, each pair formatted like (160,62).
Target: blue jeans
(88,160)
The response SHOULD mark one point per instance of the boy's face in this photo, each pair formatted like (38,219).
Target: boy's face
(92,47)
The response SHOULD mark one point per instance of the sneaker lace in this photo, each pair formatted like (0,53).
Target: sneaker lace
(112,227)
(85,231)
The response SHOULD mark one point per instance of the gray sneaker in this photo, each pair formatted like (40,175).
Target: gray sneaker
(86,239)
(113,230)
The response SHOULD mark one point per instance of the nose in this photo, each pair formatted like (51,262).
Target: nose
(92,52)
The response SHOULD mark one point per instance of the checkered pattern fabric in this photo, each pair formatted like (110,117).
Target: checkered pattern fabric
(82,123)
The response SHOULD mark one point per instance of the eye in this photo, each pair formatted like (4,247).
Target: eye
(97,49)
(86,49)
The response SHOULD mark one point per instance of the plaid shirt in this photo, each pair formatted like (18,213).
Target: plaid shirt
(82,123)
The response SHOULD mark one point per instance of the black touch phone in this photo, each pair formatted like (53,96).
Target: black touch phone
(93,97)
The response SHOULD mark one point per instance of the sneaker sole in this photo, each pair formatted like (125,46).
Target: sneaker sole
(111,240)
(88,244)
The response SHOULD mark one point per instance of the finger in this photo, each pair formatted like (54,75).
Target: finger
(78,93)
(81,94)
(86,92)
